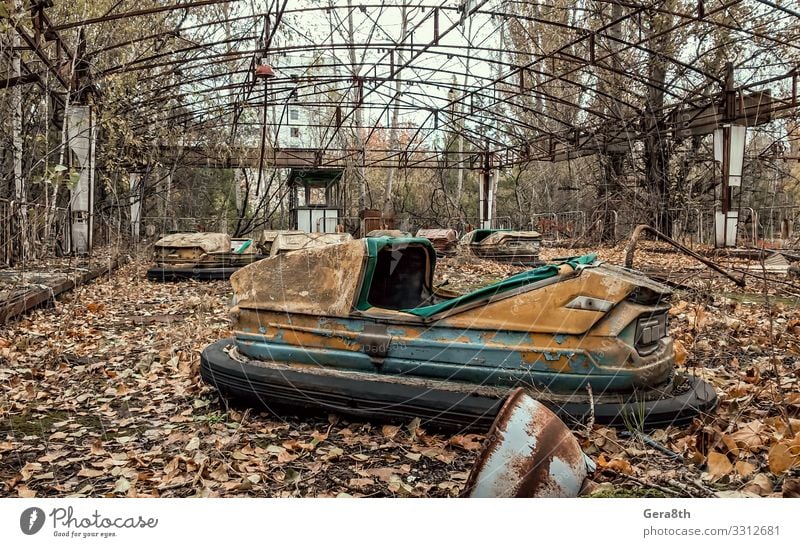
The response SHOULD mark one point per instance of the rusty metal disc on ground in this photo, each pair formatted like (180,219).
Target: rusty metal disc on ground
(530,453)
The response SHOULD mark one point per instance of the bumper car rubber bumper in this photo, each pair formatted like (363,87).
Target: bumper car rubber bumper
(381,397)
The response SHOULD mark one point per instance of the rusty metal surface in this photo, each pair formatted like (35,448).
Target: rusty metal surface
(177,256)
(530,453)
(209,242)
(523,312)
(267,238)
(388,233)
(201,250)
(305,300)
(285,242)
(443,239)
(503,237)
(319,281)
(521,247)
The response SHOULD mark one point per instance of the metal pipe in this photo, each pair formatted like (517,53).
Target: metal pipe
(631,247)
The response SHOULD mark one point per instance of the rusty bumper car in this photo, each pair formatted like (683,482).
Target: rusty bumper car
(359,328)
(513,247)
(444,240)
(202,256)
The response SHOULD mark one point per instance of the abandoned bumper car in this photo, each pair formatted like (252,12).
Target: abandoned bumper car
(208,255)
(200,255)
(359,328)
(500,245)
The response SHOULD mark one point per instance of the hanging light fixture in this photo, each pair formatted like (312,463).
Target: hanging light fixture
(264,71)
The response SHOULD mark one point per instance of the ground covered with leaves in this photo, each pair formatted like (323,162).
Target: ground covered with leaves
(101,396)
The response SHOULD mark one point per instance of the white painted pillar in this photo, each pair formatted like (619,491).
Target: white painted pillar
(82,134)
(486,193)
(168,201)
(492,195)
(729,146)
(136,205)
(237,189)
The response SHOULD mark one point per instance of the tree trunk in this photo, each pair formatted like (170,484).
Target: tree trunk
(613,162)
(656,144)
(394,137)
(608,193)
(22,247)
(359,141)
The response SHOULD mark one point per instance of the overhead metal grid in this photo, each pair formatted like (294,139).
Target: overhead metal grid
(518,81)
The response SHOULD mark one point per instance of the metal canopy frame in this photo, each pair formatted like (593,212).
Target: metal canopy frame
(588,91)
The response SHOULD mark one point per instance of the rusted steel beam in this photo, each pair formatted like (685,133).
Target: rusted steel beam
(773,5)
(138,13)
(631,247)
(28,78)
(545,144)
(199,156)
(41,54)
(639,8)
(415,52)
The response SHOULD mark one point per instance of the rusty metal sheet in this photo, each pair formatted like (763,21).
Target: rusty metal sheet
(500,237)
(267,237)
(520,247)
(285,242)
(530,453)
(443,239)
(388,233)
(523,311)
(319,280)
(209,242)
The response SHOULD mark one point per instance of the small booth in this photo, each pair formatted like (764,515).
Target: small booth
(313,199)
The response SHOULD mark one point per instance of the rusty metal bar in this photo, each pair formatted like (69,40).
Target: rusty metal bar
(138,13)
(630,248)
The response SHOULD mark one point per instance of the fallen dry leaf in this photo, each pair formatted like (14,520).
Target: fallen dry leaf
(122,485)
(744,469)
(90,473)
(469,442)
(383,473)
(718,466)
(29,469)
(25,492)
(680,353)
(390,431)
(782,457)
(619,465)
(761,485)
(748,436)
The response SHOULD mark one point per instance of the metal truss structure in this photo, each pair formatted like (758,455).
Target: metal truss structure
(517,80)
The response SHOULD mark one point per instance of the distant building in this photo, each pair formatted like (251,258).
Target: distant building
(302,119)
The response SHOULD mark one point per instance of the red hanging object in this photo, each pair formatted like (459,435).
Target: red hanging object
(264,71)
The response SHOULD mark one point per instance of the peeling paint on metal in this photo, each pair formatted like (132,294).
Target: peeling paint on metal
(529,453)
